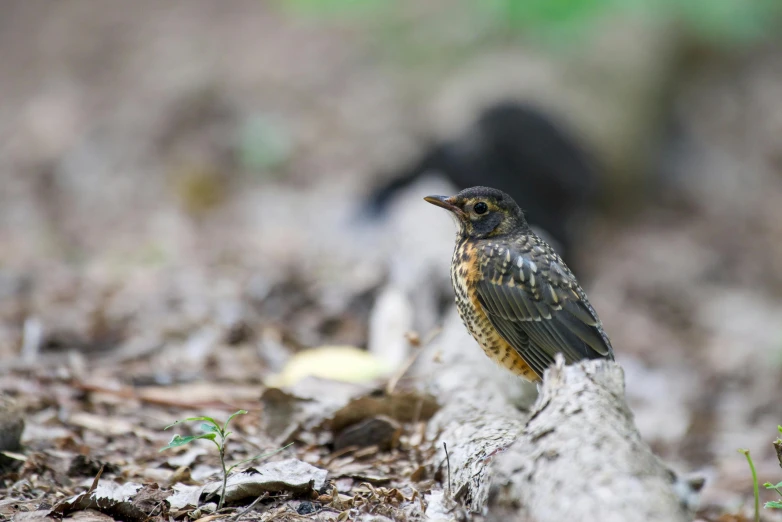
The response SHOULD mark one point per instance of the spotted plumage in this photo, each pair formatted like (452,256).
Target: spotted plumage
(514,294)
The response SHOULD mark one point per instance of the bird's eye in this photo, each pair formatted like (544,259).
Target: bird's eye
(480,207)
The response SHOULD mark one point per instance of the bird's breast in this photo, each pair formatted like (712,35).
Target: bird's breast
(465,274)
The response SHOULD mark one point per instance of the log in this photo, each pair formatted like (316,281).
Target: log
(575,455)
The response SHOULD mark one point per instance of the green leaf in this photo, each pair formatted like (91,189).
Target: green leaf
(779,428)
(191,419)
(211,428)
(774,504)
(769,485)
(234,414)
(179,440)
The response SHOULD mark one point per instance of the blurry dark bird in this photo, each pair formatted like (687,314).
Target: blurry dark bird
(514,294)
(519,150)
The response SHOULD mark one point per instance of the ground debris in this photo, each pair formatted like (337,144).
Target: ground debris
(380,431)
(129,501)
(176,230)
(290,475)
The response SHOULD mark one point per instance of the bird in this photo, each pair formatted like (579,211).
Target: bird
(513,292)
(522,150)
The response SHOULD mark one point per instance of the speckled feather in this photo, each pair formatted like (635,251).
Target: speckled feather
(465,275)
(533,300)
(514,294)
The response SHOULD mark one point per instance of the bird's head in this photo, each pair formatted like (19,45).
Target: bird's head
(482,212)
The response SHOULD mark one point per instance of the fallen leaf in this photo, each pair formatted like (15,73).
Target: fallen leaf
(181,476)
(208,518)
(380,431)
(11,426)
(184,497)
(340,363)
(34,516)
(187,458)
(101,423)
(305,405)
(290,475)
(108,497)
(89,515)
(403,406)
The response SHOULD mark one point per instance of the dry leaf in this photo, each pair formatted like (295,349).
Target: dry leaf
(290,475)
(340,363)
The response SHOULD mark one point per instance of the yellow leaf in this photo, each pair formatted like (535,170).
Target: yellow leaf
(339,363)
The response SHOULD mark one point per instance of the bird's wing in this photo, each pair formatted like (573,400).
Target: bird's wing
(535,303)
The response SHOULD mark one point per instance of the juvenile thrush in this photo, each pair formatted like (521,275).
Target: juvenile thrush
(514,294)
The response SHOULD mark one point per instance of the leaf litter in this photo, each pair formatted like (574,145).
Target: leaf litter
(118,318)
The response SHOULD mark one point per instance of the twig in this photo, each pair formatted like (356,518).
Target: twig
(96,479)
(419,405)
(448,462)
(250,507)
(127,393)
(158,505)
(410,360)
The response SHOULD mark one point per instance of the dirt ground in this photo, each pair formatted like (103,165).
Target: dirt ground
(179,192)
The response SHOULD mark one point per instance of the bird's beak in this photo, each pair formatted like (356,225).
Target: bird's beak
(444,202)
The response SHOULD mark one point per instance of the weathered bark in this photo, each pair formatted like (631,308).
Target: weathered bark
(576,455)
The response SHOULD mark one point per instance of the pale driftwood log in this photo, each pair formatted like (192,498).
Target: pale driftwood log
(575,456)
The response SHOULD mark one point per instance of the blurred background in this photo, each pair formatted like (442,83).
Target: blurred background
(197,191)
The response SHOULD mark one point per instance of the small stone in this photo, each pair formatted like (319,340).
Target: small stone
(306,507)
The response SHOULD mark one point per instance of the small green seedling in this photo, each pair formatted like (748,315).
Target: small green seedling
(212,430)
(778,445)
(774,504)
(754,483)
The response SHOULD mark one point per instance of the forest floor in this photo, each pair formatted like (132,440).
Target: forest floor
(173,236)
